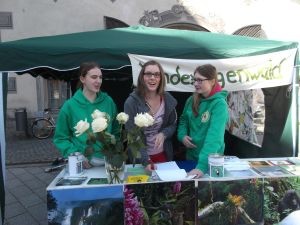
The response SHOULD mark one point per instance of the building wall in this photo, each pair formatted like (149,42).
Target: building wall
(33,18)
(25,97)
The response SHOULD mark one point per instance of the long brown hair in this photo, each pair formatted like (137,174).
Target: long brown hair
(84,68)
(208,71)
(141,86)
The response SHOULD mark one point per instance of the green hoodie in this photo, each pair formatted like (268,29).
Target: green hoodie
(206,130)
(79,108)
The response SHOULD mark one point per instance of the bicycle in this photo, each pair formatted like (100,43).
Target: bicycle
(43,128)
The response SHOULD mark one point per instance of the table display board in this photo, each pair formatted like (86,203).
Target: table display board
(262,198)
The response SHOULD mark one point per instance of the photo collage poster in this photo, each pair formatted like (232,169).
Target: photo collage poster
(191,202)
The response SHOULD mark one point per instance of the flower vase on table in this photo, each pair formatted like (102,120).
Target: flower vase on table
(112,146)
(114,170)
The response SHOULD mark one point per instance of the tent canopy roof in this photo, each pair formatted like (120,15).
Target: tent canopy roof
(110,47)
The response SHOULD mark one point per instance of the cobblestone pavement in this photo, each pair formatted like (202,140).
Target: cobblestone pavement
(25,194)
(26,181)
(23,150)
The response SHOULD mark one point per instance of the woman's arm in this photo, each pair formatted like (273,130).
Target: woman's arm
(131,108)
(169,127)
(214,139)
(115,127)
(183,124)
(63,134)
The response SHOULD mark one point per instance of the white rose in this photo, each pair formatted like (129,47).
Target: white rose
(139,120)
(122,117)
(150,119)
(81,127)
(143,120)
(99,124)
(96,114)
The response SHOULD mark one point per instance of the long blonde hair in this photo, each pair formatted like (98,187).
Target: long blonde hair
(208,71)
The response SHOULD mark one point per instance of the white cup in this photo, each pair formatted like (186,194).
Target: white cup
(75,164)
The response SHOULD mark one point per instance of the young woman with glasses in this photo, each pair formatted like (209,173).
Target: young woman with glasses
(202,123)
(150,96)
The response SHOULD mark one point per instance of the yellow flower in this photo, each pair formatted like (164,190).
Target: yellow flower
(237,200)
(81,127)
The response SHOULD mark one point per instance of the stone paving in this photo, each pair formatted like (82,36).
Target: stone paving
(26,181)
(24,150)
(25,194)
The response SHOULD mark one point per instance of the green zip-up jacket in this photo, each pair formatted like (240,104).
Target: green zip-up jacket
(206,130)
(79,108)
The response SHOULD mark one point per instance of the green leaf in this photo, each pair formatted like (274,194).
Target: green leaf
(89,150)
(116,160)
(91,139)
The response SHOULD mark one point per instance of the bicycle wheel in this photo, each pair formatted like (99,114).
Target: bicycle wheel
(42,128)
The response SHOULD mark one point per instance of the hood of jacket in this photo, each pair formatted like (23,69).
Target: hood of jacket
(82,100)
(220,94)
(170,101)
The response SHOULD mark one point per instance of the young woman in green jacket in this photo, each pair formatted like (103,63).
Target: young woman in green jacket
(86,100)
(202,123)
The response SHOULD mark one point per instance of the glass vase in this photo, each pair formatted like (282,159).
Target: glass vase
(115,174)
(95,161)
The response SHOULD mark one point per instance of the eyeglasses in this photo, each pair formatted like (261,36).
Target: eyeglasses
(200,81)
(149,74)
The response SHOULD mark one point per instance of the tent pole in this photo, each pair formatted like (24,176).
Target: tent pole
(297,102)
(295,112)
(2,130)
(2,150)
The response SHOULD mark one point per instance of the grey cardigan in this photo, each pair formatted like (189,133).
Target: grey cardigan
(136,104)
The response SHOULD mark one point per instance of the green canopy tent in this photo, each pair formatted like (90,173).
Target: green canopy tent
(59,56)
(110,47)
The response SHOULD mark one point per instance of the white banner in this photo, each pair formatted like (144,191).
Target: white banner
(242,73)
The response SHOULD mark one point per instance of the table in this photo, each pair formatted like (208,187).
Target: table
(228,200)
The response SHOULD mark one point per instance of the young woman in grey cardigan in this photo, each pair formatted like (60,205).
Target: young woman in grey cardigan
(150,96)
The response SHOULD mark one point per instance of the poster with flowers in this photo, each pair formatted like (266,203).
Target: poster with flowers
(233,202)
(170,203)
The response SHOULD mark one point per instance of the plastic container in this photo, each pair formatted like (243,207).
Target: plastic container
(216,165)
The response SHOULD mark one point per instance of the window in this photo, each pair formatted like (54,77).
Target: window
(57,93)
(11,84)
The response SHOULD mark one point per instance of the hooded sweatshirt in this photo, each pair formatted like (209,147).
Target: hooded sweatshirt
(80,108)
(136,104)
(207,129)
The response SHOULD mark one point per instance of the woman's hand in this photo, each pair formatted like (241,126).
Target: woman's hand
(196,173)
(150,167)
(159,140)
(187,141)
(86,164)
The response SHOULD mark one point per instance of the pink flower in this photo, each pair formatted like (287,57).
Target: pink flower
(133,213)
(177,187)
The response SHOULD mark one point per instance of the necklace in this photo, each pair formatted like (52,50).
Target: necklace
(153,104)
